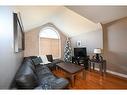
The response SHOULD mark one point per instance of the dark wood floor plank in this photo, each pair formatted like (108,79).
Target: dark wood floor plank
(95,81)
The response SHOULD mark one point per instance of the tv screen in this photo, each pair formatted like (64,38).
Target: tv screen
(80,52)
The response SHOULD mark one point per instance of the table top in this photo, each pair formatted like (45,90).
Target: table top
(99,61)
(70,67)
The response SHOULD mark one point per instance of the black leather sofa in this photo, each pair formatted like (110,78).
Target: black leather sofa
(32,75)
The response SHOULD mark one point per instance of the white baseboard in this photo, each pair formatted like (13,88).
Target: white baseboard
(114,73)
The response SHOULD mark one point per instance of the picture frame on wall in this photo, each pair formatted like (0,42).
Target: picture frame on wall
(18,34)
(79,44)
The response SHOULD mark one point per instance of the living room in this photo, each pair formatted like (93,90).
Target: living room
(58,31)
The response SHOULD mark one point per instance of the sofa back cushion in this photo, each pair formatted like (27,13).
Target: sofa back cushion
(37,60)
(26,78)
(28,59)
(30,65)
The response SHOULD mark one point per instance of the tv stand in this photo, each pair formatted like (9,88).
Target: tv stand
(81,60)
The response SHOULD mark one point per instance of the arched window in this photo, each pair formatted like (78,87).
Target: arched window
(49,42)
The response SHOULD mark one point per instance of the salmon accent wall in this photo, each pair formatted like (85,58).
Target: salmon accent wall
(32,40)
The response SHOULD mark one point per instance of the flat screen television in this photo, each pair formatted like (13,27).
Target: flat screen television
(80,52)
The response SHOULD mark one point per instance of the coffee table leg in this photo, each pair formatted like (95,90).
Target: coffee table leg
(72,80)
(89,66)
(56,67)
(84,74)
(93,65)
(105,67)
(101,69)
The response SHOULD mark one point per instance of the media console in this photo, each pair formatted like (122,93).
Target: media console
(80,57)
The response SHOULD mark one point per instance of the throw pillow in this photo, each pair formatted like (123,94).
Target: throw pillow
(44,59)
(36,61)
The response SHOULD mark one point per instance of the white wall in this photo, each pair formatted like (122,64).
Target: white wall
(115,45)
(90,40)
(9,61)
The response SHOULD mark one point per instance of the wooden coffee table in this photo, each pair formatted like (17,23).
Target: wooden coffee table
(72,70)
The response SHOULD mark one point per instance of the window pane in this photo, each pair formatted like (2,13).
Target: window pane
(49,33)
(49,43)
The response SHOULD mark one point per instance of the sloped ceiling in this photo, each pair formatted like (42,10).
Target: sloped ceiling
(69,22)
(101,14)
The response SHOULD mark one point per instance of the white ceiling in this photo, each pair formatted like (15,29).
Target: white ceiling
(69,22)
(101,14)
(34,16)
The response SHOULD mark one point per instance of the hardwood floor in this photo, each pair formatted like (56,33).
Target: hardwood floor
(95,81)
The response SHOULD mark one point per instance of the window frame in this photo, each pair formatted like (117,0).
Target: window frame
(57,32)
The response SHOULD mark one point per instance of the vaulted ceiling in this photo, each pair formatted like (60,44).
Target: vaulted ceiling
(71,20)
(101,14)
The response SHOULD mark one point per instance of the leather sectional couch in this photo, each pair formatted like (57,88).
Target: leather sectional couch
(32,75)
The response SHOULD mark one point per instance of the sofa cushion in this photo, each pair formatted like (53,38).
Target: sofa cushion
(28,59)
(41,67)
(42,71)
(32,57)
(37,60)
(59,83)
(30,63)
(26,78)
(40,60)
(53,83)
(44,74)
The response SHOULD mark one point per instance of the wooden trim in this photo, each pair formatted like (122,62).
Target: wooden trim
(115,73)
